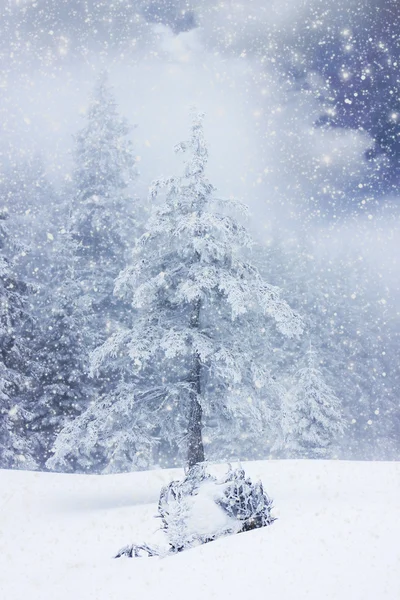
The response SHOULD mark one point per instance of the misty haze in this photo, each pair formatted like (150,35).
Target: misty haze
(199,291)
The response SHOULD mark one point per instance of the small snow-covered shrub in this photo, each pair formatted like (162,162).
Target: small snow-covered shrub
(246,501)
(191,512)
(201,508)
(138,551)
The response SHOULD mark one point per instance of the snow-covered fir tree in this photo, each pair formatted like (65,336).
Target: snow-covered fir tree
(102,210)
(353,326)
(24,186)
(83,309)
(313,419)
(64,388)
(17,449)
(33,204)
(193,352)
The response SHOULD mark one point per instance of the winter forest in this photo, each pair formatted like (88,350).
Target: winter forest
(198,233)
(199,299)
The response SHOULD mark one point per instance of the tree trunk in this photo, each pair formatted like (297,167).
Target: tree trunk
(195,441)
(195,453)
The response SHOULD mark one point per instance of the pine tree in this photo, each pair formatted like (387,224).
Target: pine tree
(102,212)
(194,345)
(64,389)
(354,326)
(313,419)
(25,187)
(16,448)
(83,309)
(33,203)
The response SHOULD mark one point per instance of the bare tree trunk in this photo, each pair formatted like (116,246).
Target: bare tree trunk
(195,453)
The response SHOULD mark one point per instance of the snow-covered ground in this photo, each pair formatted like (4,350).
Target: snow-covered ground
(337,537)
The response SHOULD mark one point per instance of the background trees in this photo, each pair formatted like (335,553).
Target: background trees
(102,209)
(313,418)
(63,387)
(352,326)
(189,352)
(79,309)
(17,447)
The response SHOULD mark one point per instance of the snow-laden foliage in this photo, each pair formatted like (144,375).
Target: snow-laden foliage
(27,193)
(35,206)
(310,130)
(107,437)
(353,330)
(246,501)
(191,513)
(202,508)
(196,348)
(63,386)
(313,419)
(102,208)
(16,448)
(83,308)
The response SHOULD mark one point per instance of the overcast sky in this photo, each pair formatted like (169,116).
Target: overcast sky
(302,97)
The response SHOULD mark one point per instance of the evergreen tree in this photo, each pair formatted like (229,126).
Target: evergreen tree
(313,421)
(25,188)
(64,389)
(83,309)
(17,449)
(102,212)
(353,317)
(194,345)
(33,204)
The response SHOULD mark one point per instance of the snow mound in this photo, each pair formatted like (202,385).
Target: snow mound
(201,508)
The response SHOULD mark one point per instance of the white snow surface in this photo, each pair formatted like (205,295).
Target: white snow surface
(336,537)
(206,517)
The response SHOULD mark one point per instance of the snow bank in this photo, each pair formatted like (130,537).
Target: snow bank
(336,537)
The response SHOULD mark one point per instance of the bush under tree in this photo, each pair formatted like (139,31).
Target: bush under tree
(201,508)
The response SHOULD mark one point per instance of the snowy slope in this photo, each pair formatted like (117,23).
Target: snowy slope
(337,537)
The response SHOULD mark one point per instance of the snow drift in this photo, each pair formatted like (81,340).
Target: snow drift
(336,537)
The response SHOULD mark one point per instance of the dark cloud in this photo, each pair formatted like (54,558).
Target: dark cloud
(174,14)
(358,55)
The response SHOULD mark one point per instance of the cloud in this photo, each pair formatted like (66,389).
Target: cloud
(257,26)
(264,142)
(264,145)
